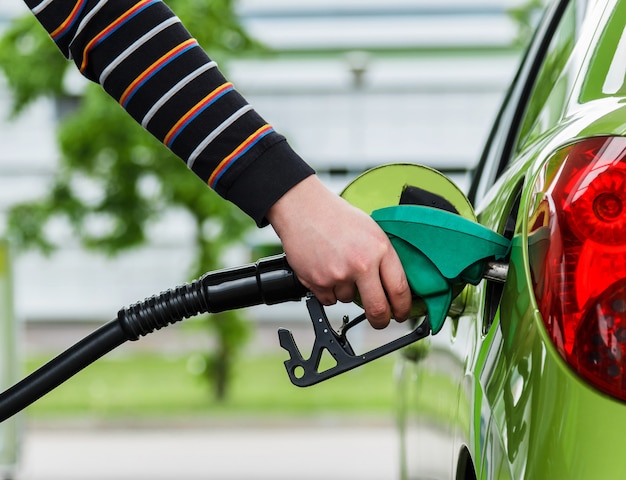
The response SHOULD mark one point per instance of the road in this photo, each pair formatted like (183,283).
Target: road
(239,453)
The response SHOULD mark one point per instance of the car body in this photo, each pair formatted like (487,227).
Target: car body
(528,381)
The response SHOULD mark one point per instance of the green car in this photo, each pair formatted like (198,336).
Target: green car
(528,379)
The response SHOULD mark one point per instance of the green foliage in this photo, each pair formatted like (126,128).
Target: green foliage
(30,62)
(114,180)
(149,385)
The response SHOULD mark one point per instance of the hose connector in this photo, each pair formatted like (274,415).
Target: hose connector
(268,281)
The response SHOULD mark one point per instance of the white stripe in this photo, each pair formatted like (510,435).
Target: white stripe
(134,46)
(88,17)
(41,6)
(223,126)
(175,89)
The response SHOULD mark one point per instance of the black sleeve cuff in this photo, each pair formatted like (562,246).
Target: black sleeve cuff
(267,179)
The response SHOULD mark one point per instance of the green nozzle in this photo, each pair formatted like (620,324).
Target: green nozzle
(440,251)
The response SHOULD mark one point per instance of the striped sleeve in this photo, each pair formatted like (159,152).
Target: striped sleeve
(143,57)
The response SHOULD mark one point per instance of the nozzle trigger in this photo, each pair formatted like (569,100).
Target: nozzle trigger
(304,373)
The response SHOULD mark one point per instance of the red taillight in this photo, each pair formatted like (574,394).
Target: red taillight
(577,247)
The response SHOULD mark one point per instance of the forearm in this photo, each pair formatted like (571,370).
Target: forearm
(147,61)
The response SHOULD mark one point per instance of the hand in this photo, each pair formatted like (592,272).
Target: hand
(336,249)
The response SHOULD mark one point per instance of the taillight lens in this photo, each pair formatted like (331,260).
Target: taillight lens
(577,251)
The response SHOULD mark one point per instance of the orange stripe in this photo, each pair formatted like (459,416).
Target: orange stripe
(224,164)
(195,109)
(120,20)
(69,19)
(146,73)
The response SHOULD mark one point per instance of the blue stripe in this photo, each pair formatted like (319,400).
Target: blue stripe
(141,84)
(194,116)
(242,153)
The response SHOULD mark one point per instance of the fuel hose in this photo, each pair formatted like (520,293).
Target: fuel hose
(268,281)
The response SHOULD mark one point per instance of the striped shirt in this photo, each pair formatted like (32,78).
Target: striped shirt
(142,56)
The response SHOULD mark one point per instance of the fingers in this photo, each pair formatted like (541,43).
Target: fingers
(375,304)
(383,289)
(344,292)
(387,295)
(396,286)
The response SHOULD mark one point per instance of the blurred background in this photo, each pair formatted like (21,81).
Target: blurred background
(351,84)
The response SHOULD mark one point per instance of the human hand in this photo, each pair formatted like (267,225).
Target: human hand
(336,249)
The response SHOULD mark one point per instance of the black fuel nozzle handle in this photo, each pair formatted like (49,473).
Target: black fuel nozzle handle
(304,372)
(269,281)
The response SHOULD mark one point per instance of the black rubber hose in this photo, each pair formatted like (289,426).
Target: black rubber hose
(269,281)
(61,368)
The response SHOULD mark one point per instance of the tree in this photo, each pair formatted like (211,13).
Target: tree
(136,177)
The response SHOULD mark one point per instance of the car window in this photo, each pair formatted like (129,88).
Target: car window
(609,60)
(552,83)
(504,134)
(557,54)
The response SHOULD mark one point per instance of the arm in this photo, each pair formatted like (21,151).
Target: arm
(148,62)
(143,57)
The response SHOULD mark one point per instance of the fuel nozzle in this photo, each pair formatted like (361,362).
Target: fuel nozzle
(433,228)
(441,252)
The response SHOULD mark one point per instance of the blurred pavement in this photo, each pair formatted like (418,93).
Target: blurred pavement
(261,449)
(312,452)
